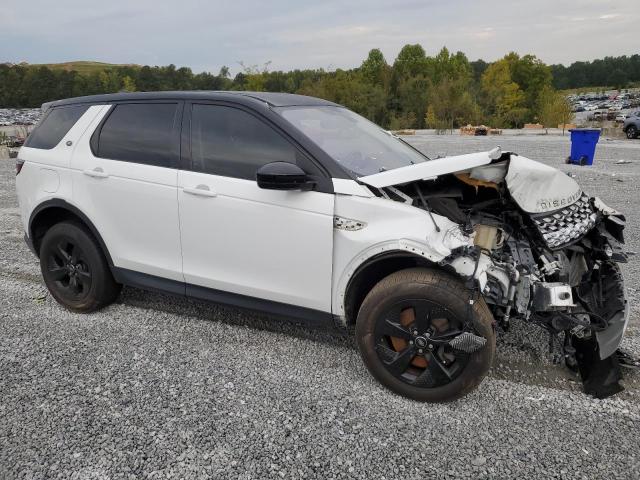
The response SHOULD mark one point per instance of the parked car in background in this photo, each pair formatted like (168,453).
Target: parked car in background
(631,125)
(301,208)
(620,118)
(597,116)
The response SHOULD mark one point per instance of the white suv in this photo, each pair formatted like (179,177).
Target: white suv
(300,208)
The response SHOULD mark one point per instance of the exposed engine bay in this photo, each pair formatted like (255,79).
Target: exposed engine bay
(538,249)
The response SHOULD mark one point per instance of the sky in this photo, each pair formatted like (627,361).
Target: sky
(325,34)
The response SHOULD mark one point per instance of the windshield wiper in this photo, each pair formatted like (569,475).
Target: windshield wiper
(411,147)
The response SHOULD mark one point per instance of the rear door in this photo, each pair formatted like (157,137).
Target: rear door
(239,238)
(125,181)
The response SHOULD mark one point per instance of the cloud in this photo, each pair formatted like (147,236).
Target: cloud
(484,34)
(293,34)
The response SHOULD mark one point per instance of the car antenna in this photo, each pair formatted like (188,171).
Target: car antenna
(426,206)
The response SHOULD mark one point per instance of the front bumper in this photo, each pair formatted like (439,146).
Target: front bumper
(29,243)
(609,340)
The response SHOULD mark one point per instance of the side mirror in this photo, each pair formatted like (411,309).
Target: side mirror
(283,176)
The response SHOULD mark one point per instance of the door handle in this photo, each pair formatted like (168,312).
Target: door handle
(97,172)
(201,190)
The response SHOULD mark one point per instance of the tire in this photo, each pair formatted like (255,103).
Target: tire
(75,269)
(440,303)
(632,132)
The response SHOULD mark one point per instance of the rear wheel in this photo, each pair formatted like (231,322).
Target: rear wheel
(420,336)
(75,269)
(632,132)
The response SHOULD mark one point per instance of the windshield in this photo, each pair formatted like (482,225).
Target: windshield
(353,141)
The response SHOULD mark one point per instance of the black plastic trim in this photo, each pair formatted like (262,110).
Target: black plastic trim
(150,282)
(270,98)
(58,203)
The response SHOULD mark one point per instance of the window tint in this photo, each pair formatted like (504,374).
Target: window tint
(231,142)
(54,126)
(140,133)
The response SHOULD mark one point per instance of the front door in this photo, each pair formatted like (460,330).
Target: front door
(239,238)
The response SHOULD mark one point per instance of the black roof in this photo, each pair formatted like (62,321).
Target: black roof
(271,98)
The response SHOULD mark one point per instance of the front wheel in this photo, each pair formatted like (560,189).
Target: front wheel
(422,336)
(632,132)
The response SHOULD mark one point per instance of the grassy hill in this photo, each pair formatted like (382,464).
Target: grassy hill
(82,67)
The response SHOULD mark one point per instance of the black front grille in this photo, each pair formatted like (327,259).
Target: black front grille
(565,226)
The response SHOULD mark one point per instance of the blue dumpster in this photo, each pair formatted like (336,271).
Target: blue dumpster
(583,145)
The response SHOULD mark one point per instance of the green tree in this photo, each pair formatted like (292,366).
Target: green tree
(531,75)
(374,68)
(618,79)
(128,85)
(505,93)
(553,109)
(255,77)
(504,100)
(411,61)
(451,103)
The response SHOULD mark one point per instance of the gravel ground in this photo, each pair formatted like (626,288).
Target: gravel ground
(162,387)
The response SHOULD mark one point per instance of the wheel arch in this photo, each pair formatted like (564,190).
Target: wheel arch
(371,271)
(54,211)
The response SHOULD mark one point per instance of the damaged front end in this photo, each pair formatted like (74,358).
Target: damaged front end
(542,251)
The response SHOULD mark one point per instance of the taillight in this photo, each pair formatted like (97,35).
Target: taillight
(19,164)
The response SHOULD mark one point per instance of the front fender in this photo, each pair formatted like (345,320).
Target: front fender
(402,247)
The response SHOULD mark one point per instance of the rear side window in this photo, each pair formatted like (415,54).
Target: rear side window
(231,142)
(140,133)
(55,125)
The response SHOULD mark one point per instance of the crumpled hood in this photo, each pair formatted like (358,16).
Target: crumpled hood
(539,188)
(430,169)
(534,186)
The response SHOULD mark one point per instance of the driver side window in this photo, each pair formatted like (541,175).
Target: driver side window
(231,142)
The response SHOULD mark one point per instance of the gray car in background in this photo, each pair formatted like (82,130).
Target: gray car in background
(631,125)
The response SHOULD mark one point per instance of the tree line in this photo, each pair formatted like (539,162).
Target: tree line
(616,72)
(415,91)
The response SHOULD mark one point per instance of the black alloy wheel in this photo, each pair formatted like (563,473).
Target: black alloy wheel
(75,269)
(424,335)
(413,341)
(68,268)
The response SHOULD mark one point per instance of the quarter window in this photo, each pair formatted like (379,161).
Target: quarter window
(140,133)
(54,126)
(230,142)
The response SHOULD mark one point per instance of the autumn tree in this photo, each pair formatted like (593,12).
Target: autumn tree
(504,100)
(128,85)
(553,109)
